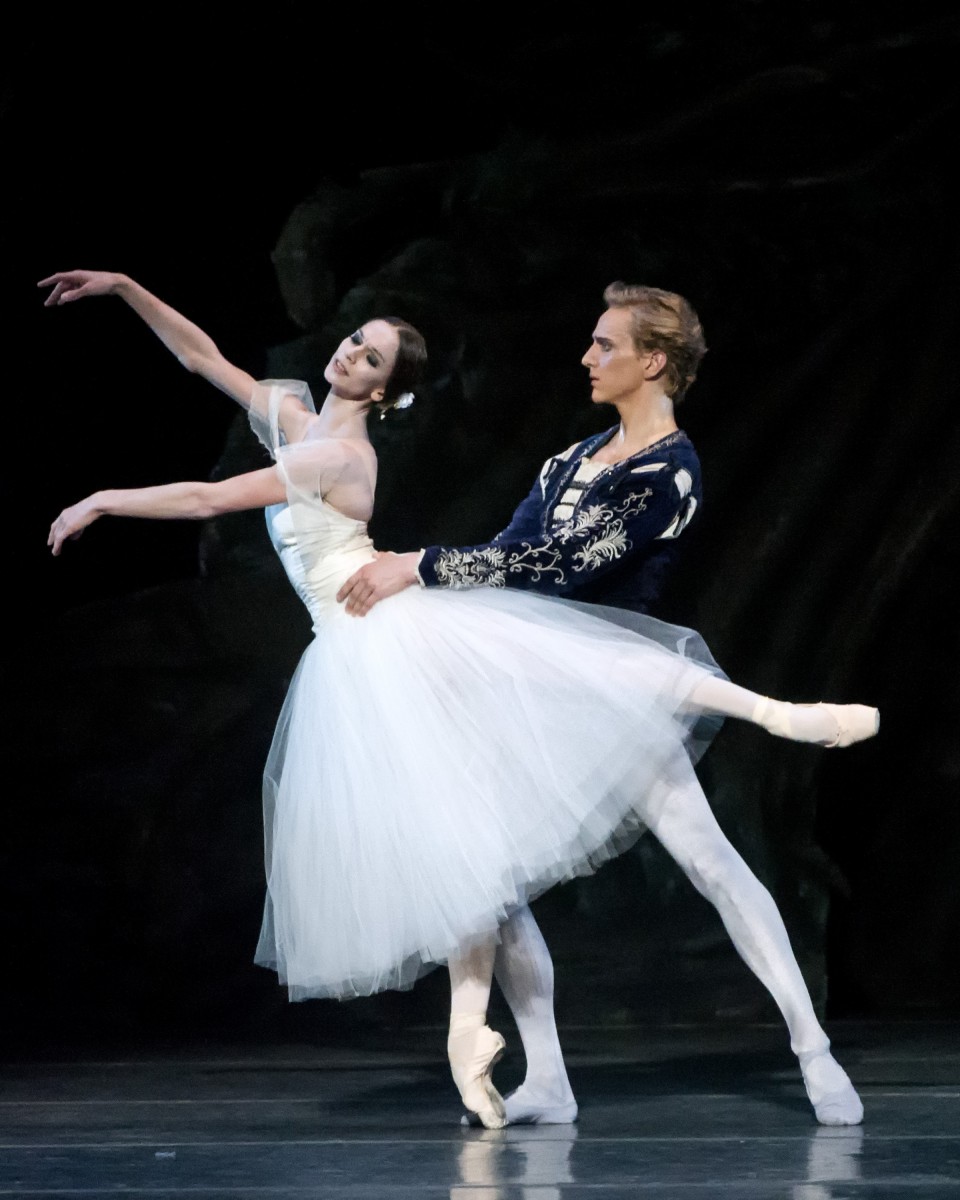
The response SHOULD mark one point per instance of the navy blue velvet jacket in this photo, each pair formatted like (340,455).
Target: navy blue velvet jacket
(610,541)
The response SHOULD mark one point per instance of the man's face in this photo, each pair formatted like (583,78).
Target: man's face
(617,371)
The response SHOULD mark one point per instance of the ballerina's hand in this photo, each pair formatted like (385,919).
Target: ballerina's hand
(75,285)
(70,524)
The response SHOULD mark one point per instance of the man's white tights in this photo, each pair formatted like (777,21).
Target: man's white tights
(679,815)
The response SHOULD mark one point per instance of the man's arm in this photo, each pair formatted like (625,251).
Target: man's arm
(637,510)
(619,522)
(392,573)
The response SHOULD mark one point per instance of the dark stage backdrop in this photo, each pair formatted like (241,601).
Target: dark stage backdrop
(788,167)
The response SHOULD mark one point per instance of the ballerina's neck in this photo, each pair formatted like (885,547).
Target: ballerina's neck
(340,418)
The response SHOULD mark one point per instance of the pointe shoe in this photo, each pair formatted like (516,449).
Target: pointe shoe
(472,1056)
(840,1105)
(855,722)
(844,725)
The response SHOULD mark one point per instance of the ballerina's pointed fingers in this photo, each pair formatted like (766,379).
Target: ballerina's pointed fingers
(72,291)
(67,286)
(62,531)
(53,299)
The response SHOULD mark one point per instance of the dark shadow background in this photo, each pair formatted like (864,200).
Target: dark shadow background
(790,167)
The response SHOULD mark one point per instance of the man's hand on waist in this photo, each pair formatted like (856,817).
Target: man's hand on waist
(388,574)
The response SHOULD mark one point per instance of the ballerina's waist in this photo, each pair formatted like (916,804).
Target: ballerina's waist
(318,583)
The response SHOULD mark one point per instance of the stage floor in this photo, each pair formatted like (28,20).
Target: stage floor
(669,1112)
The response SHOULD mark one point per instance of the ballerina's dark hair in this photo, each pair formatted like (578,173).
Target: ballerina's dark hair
(410,367)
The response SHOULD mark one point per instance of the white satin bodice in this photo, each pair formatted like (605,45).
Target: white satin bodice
(320,548)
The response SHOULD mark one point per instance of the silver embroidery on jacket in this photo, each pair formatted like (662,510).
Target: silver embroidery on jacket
(488,565)
(471,568)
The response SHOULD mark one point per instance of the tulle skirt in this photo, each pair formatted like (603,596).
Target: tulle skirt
(447,758)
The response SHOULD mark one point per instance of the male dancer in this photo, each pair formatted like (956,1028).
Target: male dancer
(601,524)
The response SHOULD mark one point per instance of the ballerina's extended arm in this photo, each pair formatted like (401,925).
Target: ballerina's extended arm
(188,500)
(193,348)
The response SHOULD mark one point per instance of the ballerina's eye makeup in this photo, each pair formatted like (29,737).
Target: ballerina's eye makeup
(373,358)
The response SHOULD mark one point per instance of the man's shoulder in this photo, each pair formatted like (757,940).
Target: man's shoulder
(673,453)
(675,466)
(685,446)
(661,461)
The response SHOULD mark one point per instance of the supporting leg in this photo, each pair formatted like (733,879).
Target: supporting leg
(472,1046)
(679,815)
(524,971)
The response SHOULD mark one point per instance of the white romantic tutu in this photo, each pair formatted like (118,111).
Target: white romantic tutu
(448,757)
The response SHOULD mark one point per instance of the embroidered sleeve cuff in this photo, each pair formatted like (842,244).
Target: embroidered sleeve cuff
(420,580)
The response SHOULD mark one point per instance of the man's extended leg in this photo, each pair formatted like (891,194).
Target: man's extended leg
(679,815)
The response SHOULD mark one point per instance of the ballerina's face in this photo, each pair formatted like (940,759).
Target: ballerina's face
(362,364)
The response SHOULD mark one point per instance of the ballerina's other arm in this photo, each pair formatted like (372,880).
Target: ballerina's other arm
(186,500)
(192,348)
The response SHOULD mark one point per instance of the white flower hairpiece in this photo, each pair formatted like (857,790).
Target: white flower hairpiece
(404,400)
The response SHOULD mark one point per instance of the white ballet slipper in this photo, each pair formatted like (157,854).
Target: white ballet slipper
(472,1057)
(522,1109)
(833,1105)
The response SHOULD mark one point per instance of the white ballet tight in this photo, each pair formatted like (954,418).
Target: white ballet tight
(679,815)
(471,977)
(524,971)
